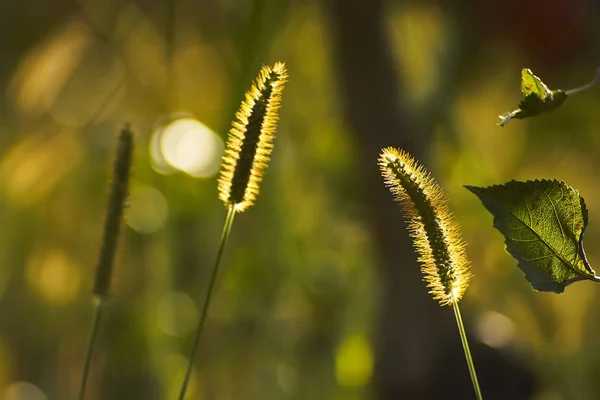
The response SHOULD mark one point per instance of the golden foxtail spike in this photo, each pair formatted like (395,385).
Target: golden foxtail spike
(435,233)
(250,139)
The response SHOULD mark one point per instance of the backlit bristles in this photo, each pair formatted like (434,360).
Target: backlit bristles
(250,140)
(436,236)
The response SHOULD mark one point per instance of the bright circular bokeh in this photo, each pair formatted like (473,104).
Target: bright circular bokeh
(495,329)
(354,361)
(53,275)
(147,210)
(189,146)
(176,314)
(22,391)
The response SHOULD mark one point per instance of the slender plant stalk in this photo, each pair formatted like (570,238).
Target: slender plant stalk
(226,229)
(117,196)
(91,346)
(465,343)
(249,145)
(586,86)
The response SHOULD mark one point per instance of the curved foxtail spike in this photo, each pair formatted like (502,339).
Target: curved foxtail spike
(250,139)
(436,236)
(114,212)
(435,233)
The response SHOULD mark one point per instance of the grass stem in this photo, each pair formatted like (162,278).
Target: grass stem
(465,343)
(586,86)
(90,350)
(213,278)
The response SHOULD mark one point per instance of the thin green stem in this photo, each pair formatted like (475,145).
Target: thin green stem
(90,350)
(211,285)
(586,86)
(465,343)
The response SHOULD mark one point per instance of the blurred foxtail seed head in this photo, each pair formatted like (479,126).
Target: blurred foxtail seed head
(118,191)
(436,235)
(250,139)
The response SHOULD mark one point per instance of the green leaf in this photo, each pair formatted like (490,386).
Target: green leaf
(543,223)
(531,84)
(538,98)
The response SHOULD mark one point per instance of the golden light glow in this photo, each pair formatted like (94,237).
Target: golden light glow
(42,75)
(250,139)
(188,145)
(159,164)
(32,167)
(420,37)
(22,390)
(147,210)
(436,236)
(54,276)
(354,362)
(494,329)
(176,314)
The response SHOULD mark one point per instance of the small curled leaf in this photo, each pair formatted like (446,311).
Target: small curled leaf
(538,98)
(543,223)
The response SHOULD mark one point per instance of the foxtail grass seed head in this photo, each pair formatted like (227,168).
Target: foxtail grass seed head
(250,139)
(436,235)
(114,212)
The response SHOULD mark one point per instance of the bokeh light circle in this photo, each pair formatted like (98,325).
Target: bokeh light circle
(189,146)
(495,329)
(176,314)
(147,210)
(23,391)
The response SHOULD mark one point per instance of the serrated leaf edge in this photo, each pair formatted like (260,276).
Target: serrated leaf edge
(592,276)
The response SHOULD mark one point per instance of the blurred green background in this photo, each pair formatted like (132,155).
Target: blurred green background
(319,295)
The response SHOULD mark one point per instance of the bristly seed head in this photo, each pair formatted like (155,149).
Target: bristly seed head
(250,139)
(119,189)
(436,235)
